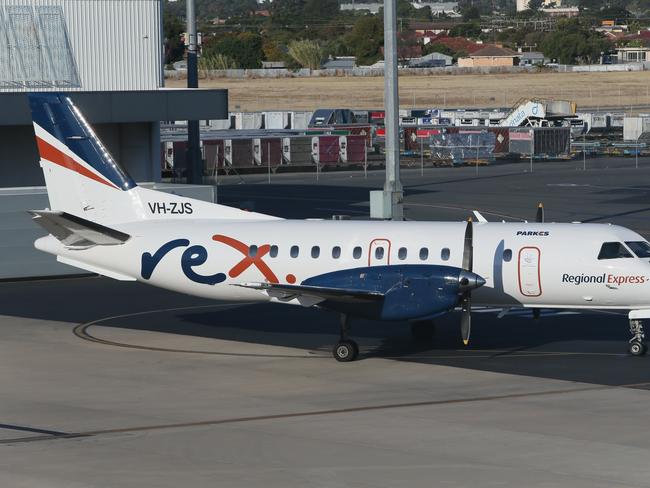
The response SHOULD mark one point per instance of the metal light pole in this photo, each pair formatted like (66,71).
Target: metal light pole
(387,204)
(194,162)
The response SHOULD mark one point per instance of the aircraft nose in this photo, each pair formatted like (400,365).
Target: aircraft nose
(468,280)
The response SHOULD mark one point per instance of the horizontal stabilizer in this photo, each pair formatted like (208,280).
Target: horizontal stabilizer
(288,292)
(76,232)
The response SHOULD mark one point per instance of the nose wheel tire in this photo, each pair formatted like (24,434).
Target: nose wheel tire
(638,348)
(345,351)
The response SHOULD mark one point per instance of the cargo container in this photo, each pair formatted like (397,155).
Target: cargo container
(352,149)
(238,152)
(377,117)
(361,116)
(213,152)
(635,128)
(267,152)
(550,142)
(599,122)
(300,120)
(180,158)
(296,151)
(248,121)
(521,140)
(325,150)
(616,120)
(277,120)
(501,140)
(221,124)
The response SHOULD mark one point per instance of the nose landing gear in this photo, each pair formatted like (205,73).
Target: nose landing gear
(638,346)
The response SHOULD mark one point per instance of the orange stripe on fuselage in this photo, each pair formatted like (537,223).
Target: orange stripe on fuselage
(49,152)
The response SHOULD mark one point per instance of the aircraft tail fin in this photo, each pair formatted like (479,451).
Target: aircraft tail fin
(84,180)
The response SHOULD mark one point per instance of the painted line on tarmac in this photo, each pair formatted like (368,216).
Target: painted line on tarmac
(316,413)
(81,331)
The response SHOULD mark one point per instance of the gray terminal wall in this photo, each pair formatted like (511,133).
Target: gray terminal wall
(135,145)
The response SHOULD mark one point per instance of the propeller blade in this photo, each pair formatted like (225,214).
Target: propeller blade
(468,248)
(466,318)
(540,213)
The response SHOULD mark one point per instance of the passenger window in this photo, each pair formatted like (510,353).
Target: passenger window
(336,252)
(507,255)
(252,251)
(424,253)
(273,252)
(295,251)
(379,253)
(640,248)
(401,254)
(356,253)
(613,250)
(315,252)
(444,254)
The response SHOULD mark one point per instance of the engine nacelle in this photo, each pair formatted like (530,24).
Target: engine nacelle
(410,291)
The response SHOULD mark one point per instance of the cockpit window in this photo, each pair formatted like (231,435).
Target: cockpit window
(640,248)
(613,250)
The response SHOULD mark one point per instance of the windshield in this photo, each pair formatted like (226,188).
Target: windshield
(613,250)
(640,248)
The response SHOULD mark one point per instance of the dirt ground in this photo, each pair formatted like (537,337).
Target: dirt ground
(589,90)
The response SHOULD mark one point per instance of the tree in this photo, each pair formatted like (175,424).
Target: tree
(173,28)
(307,54)
(215,62)
(535,5)
(469,29)
(245,48)
(437,47)
(366,39)
(470,13)
(574,42)
(288,14)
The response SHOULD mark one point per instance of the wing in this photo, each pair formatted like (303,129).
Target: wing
(316,293)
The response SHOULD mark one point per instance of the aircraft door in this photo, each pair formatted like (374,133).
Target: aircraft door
(379,252)
(529,272)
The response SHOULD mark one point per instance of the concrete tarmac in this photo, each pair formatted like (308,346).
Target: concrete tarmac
(110,384)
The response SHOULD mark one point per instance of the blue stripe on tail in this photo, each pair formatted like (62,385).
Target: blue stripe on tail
(58,115)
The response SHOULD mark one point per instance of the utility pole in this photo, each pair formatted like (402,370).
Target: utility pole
(194,160)
(387,204)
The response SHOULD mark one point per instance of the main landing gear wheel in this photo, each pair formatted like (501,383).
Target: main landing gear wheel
(423,331)
(638,346)
(346,351)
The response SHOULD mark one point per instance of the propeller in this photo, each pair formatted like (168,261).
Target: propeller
(468,281)
(538,218)
(540,213)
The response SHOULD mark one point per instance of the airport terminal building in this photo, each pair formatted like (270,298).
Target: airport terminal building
(109,55)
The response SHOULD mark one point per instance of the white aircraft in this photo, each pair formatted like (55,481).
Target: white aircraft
(101,221)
